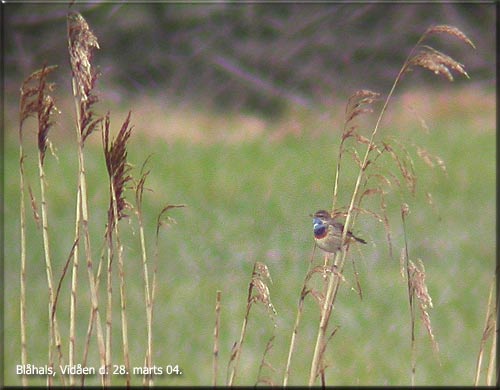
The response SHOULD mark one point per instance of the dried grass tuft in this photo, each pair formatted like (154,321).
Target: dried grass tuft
(404,163)
(418,288)
(115,153)
(258,290)
(437,62)
(36,101)
(358,103)
(81,45)
(164,219)
(429,58)
(451,30)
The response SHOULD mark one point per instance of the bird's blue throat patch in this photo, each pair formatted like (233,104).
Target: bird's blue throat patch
(319,228)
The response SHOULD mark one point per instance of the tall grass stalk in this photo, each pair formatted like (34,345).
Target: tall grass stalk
(54,337)
(258,291)
(418,296)
(216,337)
(109,295)
(162,220)
(22,303)
(150,287)
(90,324)
(430,59)
(81,43)
(139,192)
(406,258)
(489,332)
(74,287)
(36,101)
(115,153)
(298,318)
(22,217)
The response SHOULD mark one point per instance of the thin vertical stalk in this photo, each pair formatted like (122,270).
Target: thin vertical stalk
(123,300)
(81,42)
(45,108)
(159,223)
(490,373)
(48,270)
(35,101)
(489,330)
(115,153)
(121,274)
(54,335)
(216,337)
(147,298)
(239,346)
(292,341)
(91,321)
(24,352)
(83,219)
(333,283)
(148,359)
(109,293)
(74,290)
(297,322)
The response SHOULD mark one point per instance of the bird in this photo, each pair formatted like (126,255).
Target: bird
(328,232)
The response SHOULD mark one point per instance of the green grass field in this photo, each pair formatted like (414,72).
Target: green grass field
(248,199)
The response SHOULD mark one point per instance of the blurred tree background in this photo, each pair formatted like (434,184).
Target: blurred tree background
(255,57)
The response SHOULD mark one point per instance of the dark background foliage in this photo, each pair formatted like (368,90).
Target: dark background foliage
(254,56)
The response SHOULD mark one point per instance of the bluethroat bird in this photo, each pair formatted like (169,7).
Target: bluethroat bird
(328,232)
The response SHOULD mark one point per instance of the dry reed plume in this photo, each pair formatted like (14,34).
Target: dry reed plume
(36,101)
